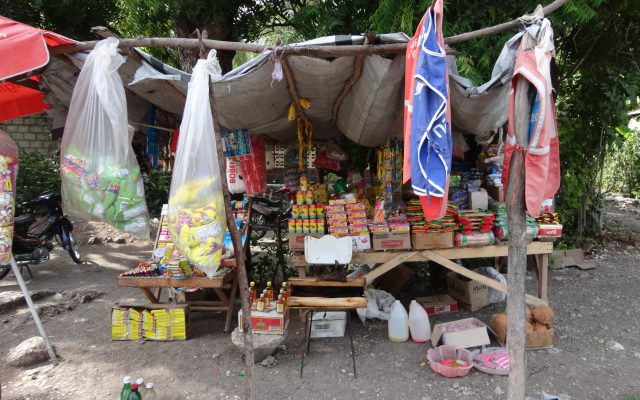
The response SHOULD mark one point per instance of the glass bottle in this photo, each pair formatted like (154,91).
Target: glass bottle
(280,305)
(252,294)
(260,303)
(126,388)
(269,293)
(267,300)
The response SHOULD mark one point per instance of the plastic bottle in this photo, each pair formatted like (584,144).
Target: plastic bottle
(141,389)
(134,395)
(419,323)
(398,323)
(126,388)
(151,393)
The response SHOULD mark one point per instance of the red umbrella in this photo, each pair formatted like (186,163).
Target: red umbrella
(24,49)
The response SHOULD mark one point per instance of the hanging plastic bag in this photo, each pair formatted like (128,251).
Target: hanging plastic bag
(197,221)
(101,179)
(8,175)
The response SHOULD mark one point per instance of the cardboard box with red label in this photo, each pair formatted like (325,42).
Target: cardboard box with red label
(271,322)
(440,304)
(391,240)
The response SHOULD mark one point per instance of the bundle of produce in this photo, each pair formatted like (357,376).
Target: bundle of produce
(475,221)
(419,224)
(501,229)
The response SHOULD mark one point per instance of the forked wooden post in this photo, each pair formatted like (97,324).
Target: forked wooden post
(517,269)
(241,269)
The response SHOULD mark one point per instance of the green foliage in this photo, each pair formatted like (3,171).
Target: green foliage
(156,190)
(72,18)
(36,173)
(269,262)
(622,163)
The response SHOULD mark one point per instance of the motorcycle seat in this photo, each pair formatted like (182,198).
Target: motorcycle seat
(264,200)
(24,220)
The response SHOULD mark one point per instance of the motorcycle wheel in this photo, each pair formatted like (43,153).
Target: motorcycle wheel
(4,271)
(74,249)
(257,219)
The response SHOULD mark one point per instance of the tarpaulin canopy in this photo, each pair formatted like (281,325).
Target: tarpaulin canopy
(23,49)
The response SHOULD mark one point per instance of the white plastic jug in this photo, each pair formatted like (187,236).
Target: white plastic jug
(419,323)
(398,323)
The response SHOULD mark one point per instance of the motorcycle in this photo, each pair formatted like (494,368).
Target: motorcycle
(269,215)
(32,244)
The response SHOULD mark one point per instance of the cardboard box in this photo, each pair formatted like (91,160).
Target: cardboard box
(391,240)
(296,240)
(270,323)
(361,242)
(328,324)
(440,304)
(472,295)
(478,200)
(496,193)
(427,241)
(570,258)
(549,231)
(533,340)
(465,333)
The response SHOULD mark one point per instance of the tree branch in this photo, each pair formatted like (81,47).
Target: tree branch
(312,51)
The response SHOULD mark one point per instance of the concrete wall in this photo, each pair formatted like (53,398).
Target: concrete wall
(31,133)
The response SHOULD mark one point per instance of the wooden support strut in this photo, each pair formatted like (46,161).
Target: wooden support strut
(357,72)
(328,51)
(239,254)
(517,267)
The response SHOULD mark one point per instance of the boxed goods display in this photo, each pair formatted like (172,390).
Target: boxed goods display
(463,333)
(472,295)
(160,322)
(391,240)
(266,322)
(434,240)
(439,304)
(328,324)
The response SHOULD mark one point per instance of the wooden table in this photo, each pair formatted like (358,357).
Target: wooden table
(227,282)
(391,259)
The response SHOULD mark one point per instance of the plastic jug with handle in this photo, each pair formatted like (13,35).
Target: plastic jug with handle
(398,323)
(419,323)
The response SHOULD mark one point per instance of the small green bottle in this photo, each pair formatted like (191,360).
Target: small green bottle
(134,395)
(126,388)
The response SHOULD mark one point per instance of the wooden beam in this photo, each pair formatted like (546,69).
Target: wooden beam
(341,302)
(300,50)
(291,84)
(389,265)
(493,30)
(351,282)
(357,71)
(517,267)
(485,280)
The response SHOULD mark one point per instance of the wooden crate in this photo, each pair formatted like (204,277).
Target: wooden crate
(314,292)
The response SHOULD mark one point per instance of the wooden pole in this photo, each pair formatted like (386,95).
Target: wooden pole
(311,51)
(241,269)
(517,267)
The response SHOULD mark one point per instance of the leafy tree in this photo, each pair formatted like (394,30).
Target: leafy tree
(72,18)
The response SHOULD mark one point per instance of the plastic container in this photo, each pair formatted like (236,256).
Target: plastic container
(151,393)
(447,352)
(419,323)
(398,323)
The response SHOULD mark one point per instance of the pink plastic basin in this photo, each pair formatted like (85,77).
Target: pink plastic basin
(435,356)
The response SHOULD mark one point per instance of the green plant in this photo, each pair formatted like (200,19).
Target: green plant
(271,263)
(622,163)
(37,173)
(156,190)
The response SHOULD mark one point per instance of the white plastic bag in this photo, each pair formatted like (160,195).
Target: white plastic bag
(234,177)
(197,221)
(101,179)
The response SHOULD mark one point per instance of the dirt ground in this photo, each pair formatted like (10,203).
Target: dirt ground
(592,308)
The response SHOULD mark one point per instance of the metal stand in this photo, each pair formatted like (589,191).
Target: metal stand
(307,345)
(25,292)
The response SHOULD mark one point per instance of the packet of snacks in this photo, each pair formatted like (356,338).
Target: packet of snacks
(197,222)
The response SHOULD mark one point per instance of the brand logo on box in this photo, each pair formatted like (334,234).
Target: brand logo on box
(392,243)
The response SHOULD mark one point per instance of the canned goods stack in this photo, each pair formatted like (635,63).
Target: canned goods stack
(306,215)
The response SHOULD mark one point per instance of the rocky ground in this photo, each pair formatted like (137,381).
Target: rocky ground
(596,355)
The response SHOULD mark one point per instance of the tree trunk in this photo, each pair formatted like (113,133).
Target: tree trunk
(216,30)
